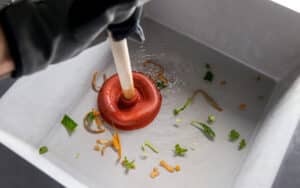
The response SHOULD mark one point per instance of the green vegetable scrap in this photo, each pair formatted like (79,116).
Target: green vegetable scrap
(160,84)
(179,150)
(242,144)
(43,150)
(176,111)
(211,119)
(209,76)
(149,145)
(90,117)
(234,135)
(128,165)
(205,129)
(68,123)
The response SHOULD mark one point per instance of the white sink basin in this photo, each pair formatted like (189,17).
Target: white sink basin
(30,114)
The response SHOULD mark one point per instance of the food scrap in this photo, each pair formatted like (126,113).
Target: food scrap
(223,82)
(77,155)
(154,173)
(88,120)
(96,148)
(176,111)
(207,66)
(128,165)
(177,168)
(151,146)
(114,143)
(69,123)
(166,166)
(180,151)
(209,76)
(258,78)
(205,129)
(233,135)
(178,120)
(159,78)
(208,99)
(211,119)
(43,150)
(242,106)
(242,144)
(94,82)
(160,84)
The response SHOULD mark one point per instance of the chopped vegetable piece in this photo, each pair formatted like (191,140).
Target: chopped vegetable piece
(176,111)
(128,165)
(117,144)
(154,173)
(96,148)
(234,135)
(149,145)
(177,168)
(178,120)
(243,106)
(90,117)
(204,128)
(179,150)
(145,154)
(77,155)
(165,165)
(68,123)
(88,122)
(43,149)
(207,66)
(106,145)
(94,82)
(160,74)
(211,119)
(160,84)
(208,98)
(223,82)
(242,144)
(209,76)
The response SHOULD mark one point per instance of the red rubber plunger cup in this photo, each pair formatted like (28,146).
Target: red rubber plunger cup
(129,114)
(127,100)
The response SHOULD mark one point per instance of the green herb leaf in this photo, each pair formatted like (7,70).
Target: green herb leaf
(209,76)
(176,111)
(68,123)
(179,150)
(43,150)
(149,145)
(90,117)
(242,144)
(128,164)
(205,129)
(211,119)
(233,135)
(160,84)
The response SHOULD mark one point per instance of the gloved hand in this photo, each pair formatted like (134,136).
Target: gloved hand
(49,31)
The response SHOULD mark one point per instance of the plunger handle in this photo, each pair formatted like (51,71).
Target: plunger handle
(123,66)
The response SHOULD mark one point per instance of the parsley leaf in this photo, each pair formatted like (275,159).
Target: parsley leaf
(128,165)
(209,76)
(233,135)
(160,84)
(242,144)
(179,150)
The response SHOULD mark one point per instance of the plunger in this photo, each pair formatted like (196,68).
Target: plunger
(127,100)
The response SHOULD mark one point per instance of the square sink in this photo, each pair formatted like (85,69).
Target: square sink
(31,111)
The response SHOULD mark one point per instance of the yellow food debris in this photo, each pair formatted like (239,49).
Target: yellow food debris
(154,173)
(177,168)
(243,106)
(96,148)
(165,165)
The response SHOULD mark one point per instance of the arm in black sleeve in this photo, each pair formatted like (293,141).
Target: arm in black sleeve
(50,31)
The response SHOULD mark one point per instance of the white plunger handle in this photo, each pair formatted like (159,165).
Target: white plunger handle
(123,65)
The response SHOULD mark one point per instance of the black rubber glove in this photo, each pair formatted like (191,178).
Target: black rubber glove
(50,31)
